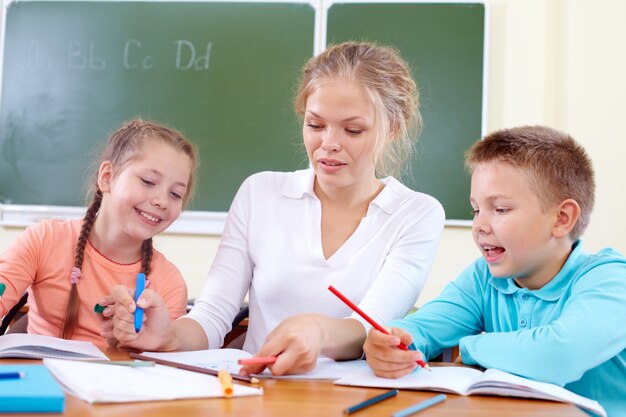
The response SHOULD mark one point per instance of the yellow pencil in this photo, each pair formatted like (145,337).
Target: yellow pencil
(226,381)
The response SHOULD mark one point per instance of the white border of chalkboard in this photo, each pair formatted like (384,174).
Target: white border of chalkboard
(205,222)
(189,222)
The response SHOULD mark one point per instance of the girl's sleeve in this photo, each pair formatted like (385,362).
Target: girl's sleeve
(19,265)
(230,275)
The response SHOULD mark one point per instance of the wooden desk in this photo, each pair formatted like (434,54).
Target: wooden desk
(285,398)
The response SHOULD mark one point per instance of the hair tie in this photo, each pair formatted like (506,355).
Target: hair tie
(75,275)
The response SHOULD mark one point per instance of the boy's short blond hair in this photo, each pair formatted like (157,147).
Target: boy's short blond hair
(558,167)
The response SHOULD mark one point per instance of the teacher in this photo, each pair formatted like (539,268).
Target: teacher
(345,221)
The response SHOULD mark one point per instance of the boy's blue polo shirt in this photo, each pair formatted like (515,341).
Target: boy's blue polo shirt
(571,332)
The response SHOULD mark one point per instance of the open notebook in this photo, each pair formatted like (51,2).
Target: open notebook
(103,383)
(36,346)
(227,359)
(469,381)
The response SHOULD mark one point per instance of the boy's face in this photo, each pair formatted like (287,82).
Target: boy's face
(511,229)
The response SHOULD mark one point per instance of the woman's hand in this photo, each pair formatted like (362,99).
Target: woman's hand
(297,342)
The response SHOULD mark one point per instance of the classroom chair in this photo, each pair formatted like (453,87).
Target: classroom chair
(15,321)
(237,335)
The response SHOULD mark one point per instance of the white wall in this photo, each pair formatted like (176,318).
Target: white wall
(556,62)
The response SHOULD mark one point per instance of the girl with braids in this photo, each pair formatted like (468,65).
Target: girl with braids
(66,266)
(345,221)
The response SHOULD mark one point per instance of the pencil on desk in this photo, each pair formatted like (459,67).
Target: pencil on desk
(257,360)
(131,364)
(420,406)
(226,381)
(192,368)
(371,321)
(12,375)
(371,401)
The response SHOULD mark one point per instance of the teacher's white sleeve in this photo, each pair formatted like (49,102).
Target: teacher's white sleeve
(406,266)
(229,278)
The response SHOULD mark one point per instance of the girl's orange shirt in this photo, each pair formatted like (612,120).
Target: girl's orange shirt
(41,261)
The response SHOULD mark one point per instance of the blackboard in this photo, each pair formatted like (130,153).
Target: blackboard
(443,43)
(222,73)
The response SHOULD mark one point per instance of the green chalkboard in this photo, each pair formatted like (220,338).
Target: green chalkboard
(223,73)
(443,42)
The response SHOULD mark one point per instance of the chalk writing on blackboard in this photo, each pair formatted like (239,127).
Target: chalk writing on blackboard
(133,55)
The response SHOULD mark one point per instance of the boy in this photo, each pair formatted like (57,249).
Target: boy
(535,304)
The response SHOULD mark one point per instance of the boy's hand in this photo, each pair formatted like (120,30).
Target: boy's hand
(384,356)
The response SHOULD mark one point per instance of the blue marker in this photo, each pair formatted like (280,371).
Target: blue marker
(371,401)
(139,287)
(420,406)
(12,375)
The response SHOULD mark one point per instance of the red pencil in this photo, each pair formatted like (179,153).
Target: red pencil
(257,360)
(372,322)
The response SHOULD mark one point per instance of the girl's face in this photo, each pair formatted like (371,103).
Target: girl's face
(339,134)
(147,195)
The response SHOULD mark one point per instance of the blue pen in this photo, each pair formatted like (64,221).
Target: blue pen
(371,401)
(419,406)
(12,375)
(139,287)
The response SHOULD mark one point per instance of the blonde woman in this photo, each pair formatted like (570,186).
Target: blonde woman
(344,222)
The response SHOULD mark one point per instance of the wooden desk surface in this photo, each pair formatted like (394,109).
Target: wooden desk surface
(291,398)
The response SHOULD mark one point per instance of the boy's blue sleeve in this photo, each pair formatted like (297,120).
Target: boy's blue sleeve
(589,331)
(441,323)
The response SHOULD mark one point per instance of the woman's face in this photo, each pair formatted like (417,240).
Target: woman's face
(340,134)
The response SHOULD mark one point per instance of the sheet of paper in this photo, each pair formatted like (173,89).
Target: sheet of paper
(102,383)
(227,359)
(449,379)
(326,368)
(215,359)
(35,346)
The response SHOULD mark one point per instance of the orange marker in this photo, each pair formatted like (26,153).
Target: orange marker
(226,381)
(257,360)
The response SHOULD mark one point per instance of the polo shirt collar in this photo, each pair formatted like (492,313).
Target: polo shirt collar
(298,184)
(552,290)
(390,199)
